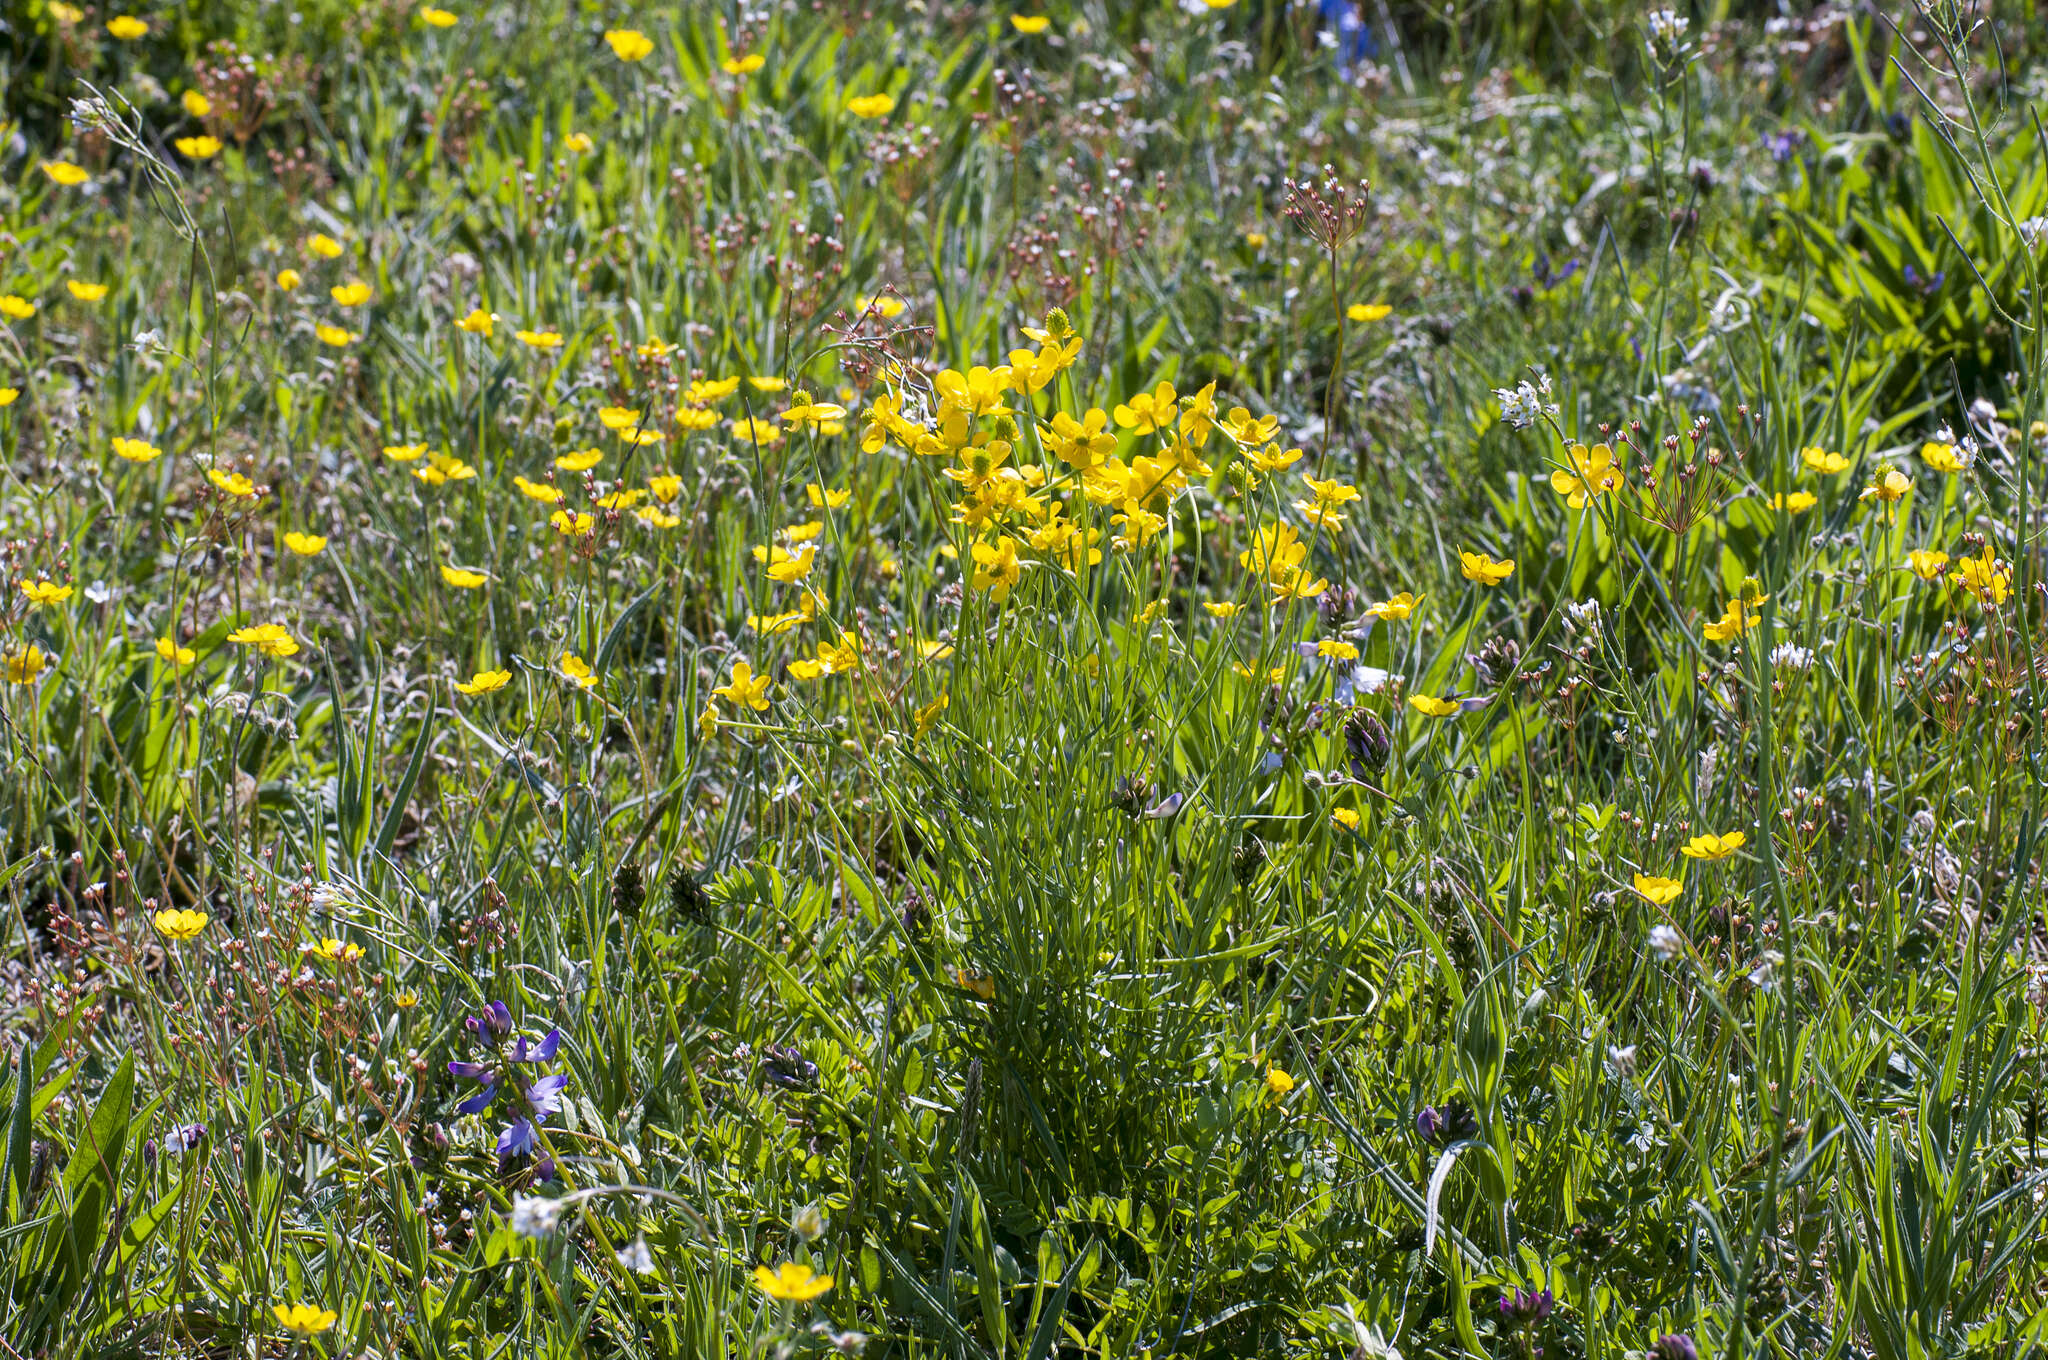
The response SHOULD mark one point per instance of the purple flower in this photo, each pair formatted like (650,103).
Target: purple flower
(1674,1346)
(1525,1306)
(537,1097)
(1429,1122)
(494,1024)
(184,1138)
(784,1066)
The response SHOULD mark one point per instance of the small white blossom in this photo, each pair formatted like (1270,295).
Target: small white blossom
(1623,1060)
(1667,942)
(535,1215)
(1523,404)
(635,1257)
(1790,656)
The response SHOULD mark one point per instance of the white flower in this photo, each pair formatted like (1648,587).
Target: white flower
(1790,656)
(535,1215)
(1522,405)
(635,1257)
(1623,1060)
(1765,974)
(1667,942)
(1668,26)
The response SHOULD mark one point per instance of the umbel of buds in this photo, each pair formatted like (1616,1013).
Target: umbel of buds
(1331,212)
(1367,743)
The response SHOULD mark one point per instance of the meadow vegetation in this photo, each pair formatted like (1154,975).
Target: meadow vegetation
(1074,679)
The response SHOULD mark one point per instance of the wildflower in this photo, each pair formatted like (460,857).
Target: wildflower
(1797,503)
(24,664)
(335,336)
(1711,847)
(657,519)
(170,651)
(996,568)
(301,1319)
(1926,563)
(65,173)
(179,923)
(1823,462)
(534,1215)
(478,322)
(1278,1084)
(1985,577)
(576,671)
(1272,458)
(354,293)
(625,498)
(580,144)
(977,392)
(1368,311)
(337,951)
(441,469)
(743,66)
(819,497)
(784,565)
(436,18)
(404,453)
(759,433)
(1431,706)
(803,411)
(871,105)
(1736,619)
(1523,404)
(484,682)
(1659,891)
(16,307)
(1148,411)
(461,577)
(85,292)
(745,688)
(1593,472)
(199,148)
(1943,457)
(791,1282)
(287,279)
(538,491)
(541,340)
(304,545)
(1674,1346)
(1030,24)
(883,305)
(628,44)
(1031,372)
(582,460)
(45,593)
(534,1099)
(1396,609)
(1790,656)
(1889,486)
(1332,649)
(271,639)
(769,384)
(1666,942)
(1525,1306)
(1347,818)
(923,719)
(1084,443)
(1483,569)
(406,999)
(573,524)
(326,247)
(233,483)
(127,27)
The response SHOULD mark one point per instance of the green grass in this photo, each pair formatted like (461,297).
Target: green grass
(1058,958)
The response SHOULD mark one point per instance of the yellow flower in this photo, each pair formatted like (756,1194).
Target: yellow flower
(768,384)
(539,339)
(929,714)
(406,999)
(336,336)
(65,173)
(784,565)
(1148,411)
(628,44)
(233,483)
(1396,609)
(1738,618)
(1255,239)
(1337,649)
(883,305)
(287,279)
(179,923)
(19,308)
(1483,569)
(977,982)
(66,14)
(478,322)
(1798,503)
(1030,23)
(573,523)
(1711,847)
(743,66)
(703,393)
(438,18)
(326,247)
(996,568)
(820,497)
(665,486)
(46,593)
(871,105)
(85,292)
(1273,458)
(1368,311)
(1985,577)
(24,664)
(133,450)
(127,27)
(1660,891)
(1592,473)
(617,417)
(1278,1083)
(1926,563)
(461,578)
(268,638)
(803,411)
(582,460)
(1942,457)
(1823,462)
(1432,706)
(1332,491)
(170,651)
(693,418)
(441,469)
(404,453)
(1347,818)
(1891,485)
(199,148)
(579,144)
(576,670)
(8,394)
(305,545)
(354,293)
(1219,4)
(768,625)
(745,688)
(484,682)
(537,491)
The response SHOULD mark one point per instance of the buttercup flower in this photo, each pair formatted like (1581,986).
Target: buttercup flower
(1396,609)
(303,1319)
(576,670)
(1891,485)
(1368,311)
(326,247)
(745,688)
(65,173)
(304,545)
(478,322)
(1483,569)
(46,593)
(1711,847)
(16,307)
(437,18)
(178,923)
(127,27)
(996,568)
(628,44)
(198,148)
(1592,473)
(1659,891)
(233,483)
(1823,462)
(484,682)
(24,664)
(1030,23)
(354,293)
(870,105)
(542,340)
(1431,706)
(176,655)
(85,292)
(271,639)
(743,66)
(1943,457)
(335,336)
(1985,577)
(1926,563)
(461,577)
(791,1282)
